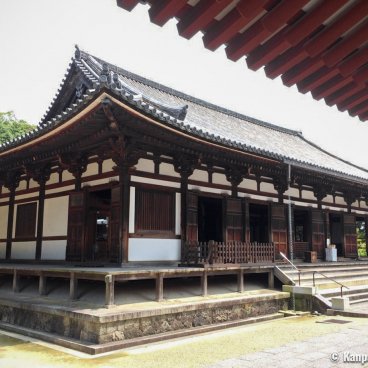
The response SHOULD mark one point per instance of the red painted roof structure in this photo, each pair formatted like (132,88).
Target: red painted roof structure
(319,45)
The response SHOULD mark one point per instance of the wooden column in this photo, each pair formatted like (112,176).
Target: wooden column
(11,182)
(9,233)
(109,291)
(40,215)
(235,176)
(184,165)
(73,286)
(124,182)
(241,280)
(42,284)
(159,287)
(271,280)
(16,286)
(204,283)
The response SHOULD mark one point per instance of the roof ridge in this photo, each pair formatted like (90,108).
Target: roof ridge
(195,100)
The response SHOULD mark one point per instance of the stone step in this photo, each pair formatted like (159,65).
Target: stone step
(357,301)
(330,293)
(326,270)
(330,284)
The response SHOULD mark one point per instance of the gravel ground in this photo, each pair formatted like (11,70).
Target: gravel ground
(230,348)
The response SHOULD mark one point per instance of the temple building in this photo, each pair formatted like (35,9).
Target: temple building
(122,170)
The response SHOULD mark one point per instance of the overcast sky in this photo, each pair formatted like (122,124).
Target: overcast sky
(37,42)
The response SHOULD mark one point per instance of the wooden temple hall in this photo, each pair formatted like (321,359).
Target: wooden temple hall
(122,170)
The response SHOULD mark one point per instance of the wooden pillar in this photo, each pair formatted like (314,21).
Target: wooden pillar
(204,283)
(183,211)
(9,233)
(109,291)
(124,183)
(159,287)
(271,280)
(241,280)
(73,286)
(42,289)
(40,215)
(16,286)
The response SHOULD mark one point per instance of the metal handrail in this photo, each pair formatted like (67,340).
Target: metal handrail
(292,264)
(329,278)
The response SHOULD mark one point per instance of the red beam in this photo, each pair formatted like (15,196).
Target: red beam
(285,61)
(354,62)
(364,117)
(346,46)
(345,22)
(199,17)
(226,28)
(316,79)
(293,34)
(334,84)
(301,71)
(354,100)
(161,11)
(360,109)
(361,77)
(127,4)
(343,94)
(266,26)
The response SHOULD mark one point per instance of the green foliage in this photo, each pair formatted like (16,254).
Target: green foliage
(361,238)
(11,127)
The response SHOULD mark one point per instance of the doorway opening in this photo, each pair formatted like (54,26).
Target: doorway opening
(336,231)
(361,236)
(258,223)
(98,226)
(301,232)
(210,219)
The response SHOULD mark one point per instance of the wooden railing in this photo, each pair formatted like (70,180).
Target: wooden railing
(233,252)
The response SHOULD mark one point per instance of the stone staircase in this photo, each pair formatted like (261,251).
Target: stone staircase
(353,275)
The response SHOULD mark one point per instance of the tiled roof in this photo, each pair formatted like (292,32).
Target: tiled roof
(200,118)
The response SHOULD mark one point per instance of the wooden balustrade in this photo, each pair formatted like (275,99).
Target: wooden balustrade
(233,252)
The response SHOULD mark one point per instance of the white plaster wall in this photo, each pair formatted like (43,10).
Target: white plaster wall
(164,183)
(363,204)
(5,190)
(177,213)
(32,196)
(15,217)
(2,250)
(199,175)
(67,175)
(248,184)
(96,182)
(22,185)
(219,179)
(53,250)
(107,165)
(58,190)
(145,165)
(328,198)
(3,221)
(132,210)
(268,188)
(23,250)
(340,200)
(54,178)
(55,222)
(33,184)
(168,169)
(92,169)
(154,249)
(307,194)
(293,192)
(355,204)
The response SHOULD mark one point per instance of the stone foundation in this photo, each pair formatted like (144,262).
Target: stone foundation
(100,326)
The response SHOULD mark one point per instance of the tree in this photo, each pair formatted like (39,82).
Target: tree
(11,127)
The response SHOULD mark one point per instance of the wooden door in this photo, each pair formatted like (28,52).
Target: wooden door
(114,247)
(233,219)
(350,236)
(76,226)
(192,217)
(279,228)
(318,232)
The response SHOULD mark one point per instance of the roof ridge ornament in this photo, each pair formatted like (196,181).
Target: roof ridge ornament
(104,76)
(77,52)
